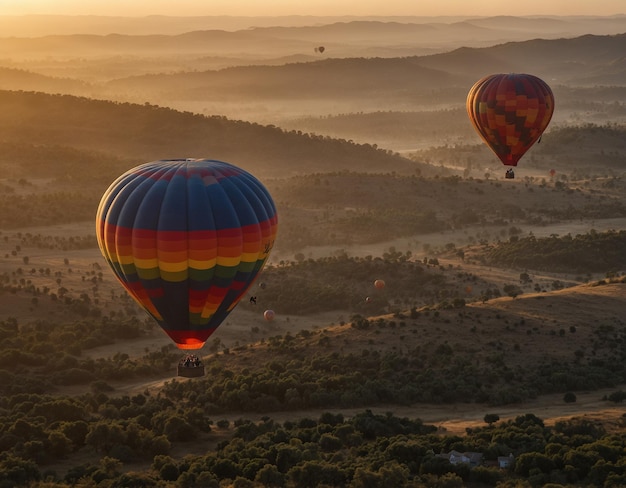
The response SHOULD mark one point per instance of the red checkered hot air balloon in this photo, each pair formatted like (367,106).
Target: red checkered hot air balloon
(186,238)
(510,112)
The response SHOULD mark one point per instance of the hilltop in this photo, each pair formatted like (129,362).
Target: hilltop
(129,134)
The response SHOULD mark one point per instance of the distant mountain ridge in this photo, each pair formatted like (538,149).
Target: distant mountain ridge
(392,55)
(344,37)
(564,61)
(44,25)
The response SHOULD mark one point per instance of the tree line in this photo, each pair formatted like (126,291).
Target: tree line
(592,252)
(366,450)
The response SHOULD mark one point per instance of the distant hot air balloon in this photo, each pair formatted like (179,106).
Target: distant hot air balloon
(186,238)
(319,49)
(552,172)
(380,284)
(510,112)
(269,315)
(368,299)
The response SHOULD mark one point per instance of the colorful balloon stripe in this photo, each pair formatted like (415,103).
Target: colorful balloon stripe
(186,238)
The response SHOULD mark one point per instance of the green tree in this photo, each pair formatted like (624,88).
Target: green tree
(512,290)
(59,444)
(329,443)
(15,471)
(177,429)
(169,472)
(569,397)
(312,474)
(270,477)
(527,462)
(491,418)
(103,435)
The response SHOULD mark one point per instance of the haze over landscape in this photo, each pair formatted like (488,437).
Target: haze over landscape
(499,335)
(284,8)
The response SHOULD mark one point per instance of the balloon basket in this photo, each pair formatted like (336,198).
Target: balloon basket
(195,372)
(190,367)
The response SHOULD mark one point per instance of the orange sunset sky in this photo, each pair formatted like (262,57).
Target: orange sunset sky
(316,7)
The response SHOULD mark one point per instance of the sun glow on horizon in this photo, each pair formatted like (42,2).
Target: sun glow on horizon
(316,8)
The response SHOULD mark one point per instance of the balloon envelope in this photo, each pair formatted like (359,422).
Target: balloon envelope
(510,112)
(186,238)
(268,315)
(379,284)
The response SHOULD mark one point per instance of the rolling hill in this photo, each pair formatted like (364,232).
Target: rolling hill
(584,60)
(67,150)
(398,103)
(142,133)
(563,60)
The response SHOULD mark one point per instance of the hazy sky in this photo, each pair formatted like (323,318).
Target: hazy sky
(313,7)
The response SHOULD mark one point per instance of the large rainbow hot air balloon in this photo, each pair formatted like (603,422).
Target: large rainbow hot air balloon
(186,238)
(510,112)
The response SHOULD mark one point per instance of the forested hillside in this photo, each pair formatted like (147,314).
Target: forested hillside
(143,133)
(145,437)
(588,253)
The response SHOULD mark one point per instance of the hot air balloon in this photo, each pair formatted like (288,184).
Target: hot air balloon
(319,49)
(269,315)
(380,284)
(186,238)
(510,112)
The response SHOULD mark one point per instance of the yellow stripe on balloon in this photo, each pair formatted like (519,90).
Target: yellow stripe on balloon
(202,264)
(173,267)
(174,276)
(228,261)
(146,263)
(250,257)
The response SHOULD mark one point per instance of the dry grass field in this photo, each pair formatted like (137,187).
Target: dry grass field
(480,327)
